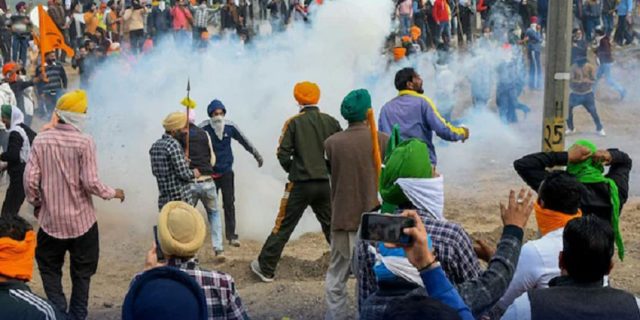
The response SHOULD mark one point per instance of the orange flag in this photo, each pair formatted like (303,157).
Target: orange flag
(50,36)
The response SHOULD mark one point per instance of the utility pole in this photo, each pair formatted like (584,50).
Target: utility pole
(557,76)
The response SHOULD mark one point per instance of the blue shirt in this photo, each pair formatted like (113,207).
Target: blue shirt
(418,118)
(535,40)
(625,7)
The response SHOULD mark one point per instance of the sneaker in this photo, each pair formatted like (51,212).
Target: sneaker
(602,133)
(235,242)
(570,131)
(255,267)
(220,257)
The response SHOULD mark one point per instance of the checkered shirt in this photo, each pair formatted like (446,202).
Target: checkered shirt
(219,288)
(201,17)
(171,170)
(452,246)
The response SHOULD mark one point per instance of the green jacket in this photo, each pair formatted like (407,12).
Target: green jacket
(301,148)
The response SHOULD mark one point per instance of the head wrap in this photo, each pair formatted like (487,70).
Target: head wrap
(20,5)
(16,257)
(410,159)
(533,19)
(16,118)
(306,93)
(74,101)
(405,39)
(415,33)
(589,171)
(175,121)
(164,293)
(181,229)
(10,67)
(399,53)
(215,105)
(549,220)
(355,105)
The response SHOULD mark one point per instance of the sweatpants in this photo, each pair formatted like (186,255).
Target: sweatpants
(225,184)
(84,252)
(342,243)
(297,197)
(15,193)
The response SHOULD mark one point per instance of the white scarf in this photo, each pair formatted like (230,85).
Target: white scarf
(425,194)
(401,267)
(77,120)
(17,117)
(217,123)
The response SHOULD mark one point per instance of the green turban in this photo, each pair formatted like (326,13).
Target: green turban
(5,111)
(410,159)
(355,105)
(589,171)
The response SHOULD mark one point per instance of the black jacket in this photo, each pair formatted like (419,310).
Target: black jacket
(596,199)
(199,151)
(18,302)
(12,155)
(18,88)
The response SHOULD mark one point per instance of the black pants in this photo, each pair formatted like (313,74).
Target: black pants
(15,194)
(84,252)
(297,197)
(136,37)
(624,34)
(226,185)
(466,21)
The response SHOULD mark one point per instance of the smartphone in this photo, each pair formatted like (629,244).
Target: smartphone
(385,228)
(159,252)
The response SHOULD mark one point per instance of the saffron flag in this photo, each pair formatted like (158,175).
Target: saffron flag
(50,37)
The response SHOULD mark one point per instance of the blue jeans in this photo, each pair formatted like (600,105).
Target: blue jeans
(444,31)
(588,101)
(206,192)
(607,21)
(405,24)
(535,70)
(19,49)
(605,71)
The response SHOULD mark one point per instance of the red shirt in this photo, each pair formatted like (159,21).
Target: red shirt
(440,11)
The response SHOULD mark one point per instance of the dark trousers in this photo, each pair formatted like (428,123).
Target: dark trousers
(84,252)
(226,185)
(15,193)
(136,37)
(297,197)
(466,21)
(623,34)
(19,49)
(588,101)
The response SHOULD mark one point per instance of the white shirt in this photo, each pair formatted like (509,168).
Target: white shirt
(537,265)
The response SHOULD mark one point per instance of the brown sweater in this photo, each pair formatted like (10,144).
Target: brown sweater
(353,177)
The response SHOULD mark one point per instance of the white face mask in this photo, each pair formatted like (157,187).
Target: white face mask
(218,118)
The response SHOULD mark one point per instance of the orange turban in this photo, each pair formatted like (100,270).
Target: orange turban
(16,257)
(415,33)
(399,53)
(10,67)
(204,36)
(406,39)
(306,93)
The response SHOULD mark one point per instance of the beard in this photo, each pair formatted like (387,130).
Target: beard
(420,91)
(218,123)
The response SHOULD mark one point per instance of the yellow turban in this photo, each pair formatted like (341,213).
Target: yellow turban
(306,93)
(74,101)
(181,229)
(175,121)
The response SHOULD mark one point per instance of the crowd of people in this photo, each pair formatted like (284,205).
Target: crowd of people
(387,165)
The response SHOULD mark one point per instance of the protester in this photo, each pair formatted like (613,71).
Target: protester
(416,114)
(200,21)
(442,15)
(466,12)
(21,30)
(86,61)
(202,157)
(301,155)
(11,72)
(16,156)
(113,21)
(229,17)
(534,48)
(579,46)
(605,56)
(76,25)
(585,259)
(221,132)
(353,192)
(182,20)
(181,233)
(60,192)
(558,203)
(56,82)
(91,18)
(169,164)
(624,32)
(608,11)
(401,190)
(134,19)
(17,249)
(583,77)
(604,196)
(57,14)
(164,293)
(159,21)
(404,12)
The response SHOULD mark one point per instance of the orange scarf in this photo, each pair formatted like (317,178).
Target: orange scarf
(549,220)
(16,257)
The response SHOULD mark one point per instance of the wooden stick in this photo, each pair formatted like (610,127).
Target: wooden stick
(377,157)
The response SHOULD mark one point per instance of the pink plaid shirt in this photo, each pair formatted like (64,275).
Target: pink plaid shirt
(60,178)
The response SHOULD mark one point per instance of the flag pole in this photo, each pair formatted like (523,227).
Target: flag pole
(377,156)
(41,39)
(187,111)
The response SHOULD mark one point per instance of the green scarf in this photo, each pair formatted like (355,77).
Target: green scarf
(589,171)
(406,159)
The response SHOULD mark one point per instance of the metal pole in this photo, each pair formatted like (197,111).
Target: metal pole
(557,77)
